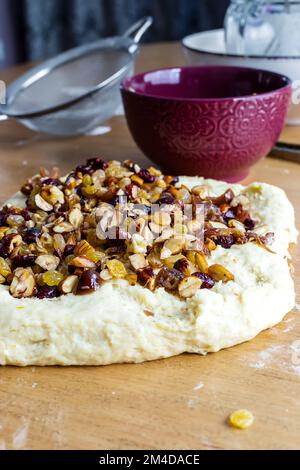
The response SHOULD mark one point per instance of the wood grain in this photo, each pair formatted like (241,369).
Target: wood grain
(177,403)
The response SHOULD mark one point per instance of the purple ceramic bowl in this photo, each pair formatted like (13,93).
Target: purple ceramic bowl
(211,121)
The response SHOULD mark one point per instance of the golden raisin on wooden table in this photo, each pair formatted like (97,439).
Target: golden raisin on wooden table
(241,419)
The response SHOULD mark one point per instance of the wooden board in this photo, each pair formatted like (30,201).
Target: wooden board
(182,402)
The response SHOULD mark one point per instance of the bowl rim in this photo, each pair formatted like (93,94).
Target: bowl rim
(225,54)
(124,87)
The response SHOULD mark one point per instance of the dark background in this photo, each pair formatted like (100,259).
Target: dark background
(37,29)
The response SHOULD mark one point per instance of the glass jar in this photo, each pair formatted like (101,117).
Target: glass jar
(261,27)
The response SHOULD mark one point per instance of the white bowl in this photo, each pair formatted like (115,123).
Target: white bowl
(208,48)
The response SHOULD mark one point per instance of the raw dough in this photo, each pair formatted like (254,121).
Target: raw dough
(113,324)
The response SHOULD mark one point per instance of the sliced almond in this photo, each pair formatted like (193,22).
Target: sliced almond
(63,227)
(172,247)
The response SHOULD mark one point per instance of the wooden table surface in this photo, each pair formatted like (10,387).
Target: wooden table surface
(175,403)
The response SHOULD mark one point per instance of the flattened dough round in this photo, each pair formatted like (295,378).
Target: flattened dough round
(122,323)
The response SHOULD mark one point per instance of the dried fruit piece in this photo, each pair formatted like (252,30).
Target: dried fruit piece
(220,273)
(207,281)
(168,278)
(89,281)
(69,285)
(138,244)
(189,286)
(4,268)
(116,269)
(52,278)
(132,279)
(47,262)
(241,419)
(23,283)
(47,292)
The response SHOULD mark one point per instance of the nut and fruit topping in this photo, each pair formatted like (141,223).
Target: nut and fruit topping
(110,221)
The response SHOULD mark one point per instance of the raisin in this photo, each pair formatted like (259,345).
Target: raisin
(166,198)
(47,292)
(249,223)
(31,234)
(207,281)
(168,278)
(69,249)
(97,163)
(50,182)
(226,241)
(146,176)
(89,281)
(24,261)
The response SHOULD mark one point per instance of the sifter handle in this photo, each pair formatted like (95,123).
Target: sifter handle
(138,29)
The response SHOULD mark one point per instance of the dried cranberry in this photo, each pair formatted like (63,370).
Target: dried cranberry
(249,223)
(50,182)
(69,249)
(31,234)
(226,241)
(47,292)
(89,281)
(166,198)
(23,261)
(168,278)
(146,176)
(97,163)
(207,281)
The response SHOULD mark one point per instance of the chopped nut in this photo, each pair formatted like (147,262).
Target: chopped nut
(63,227)
(47,262)
(138,244)
(23,283)
(241,419)
(59,242)
(172,247)
(138,261)
(183,265)
(42,204)
(161,218)
(220,273)
(169,262)
(201,191)
(76,217)
(189,286)
(116,269)
(53,195)
(105,275)
(83,248)
(201,262)
(82,262)
(146,276)
(69,285)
